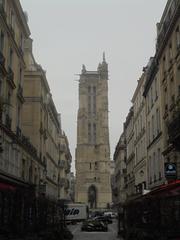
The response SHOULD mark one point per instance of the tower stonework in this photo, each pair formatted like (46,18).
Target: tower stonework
(93,180)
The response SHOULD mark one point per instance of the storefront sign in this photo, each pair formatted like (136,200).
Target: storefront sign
(170,170)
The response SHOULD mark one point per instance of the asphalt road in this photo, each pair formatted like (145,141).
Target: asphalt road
(79,235)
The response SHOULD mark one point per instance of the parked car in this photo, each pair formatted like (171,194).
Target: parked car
(93,226)
(112,214)
(104,219)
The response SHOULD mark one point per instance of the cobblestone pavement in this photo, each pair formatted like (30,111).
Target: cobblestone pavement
(110,235)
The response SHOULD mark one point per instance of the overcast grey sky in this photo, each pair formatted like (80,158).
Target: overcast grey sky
(69,33)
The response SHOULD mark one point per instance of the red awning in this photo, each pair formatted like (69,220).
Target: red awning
(5,186)
(172,188)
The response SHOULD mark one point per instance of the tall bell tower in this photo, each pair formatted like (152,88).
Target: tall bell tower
(93,180)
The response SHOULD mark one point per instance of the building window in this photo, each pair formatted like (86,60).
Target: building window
(164,66)
(151,90)
(177,37)
(10,58)
(94,133)
(21,42)
(89,89)
(158,121)
(156,89)
(148,103)
(18,115)
(89,132)
(153,134)
(0,87)
(23,169)
(149,137)
(94,106)
(165,99)
(2,41)
(12,19)
(8,103)
(20,76)
(154,166)
(89,104)
(150,170)
(173,99)
(170,53)
(96,165)
(94,90)
(159,162)
(2,3)
(141,123)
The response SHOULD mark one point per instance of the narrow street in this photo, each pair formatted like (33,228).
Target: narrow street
(79,235)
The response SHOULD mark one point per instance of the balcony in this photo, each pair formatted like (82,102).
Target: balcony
(174,131)
(8,122)
(20,93)
(10,78)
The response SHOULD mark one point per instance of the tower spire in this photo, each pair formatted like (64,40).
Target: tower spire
(104,59)
(83,69)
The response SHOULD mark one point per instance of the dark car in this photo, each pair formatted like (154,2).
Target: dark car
(93,226)
(104,219)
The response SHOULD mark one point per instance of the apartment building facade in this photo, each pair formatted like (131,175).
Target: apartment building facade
(156,108)
(130,153)
(119,158)
(140,163)
(15,147)
(155,160)
(65,168)
(41,122)
(168,57)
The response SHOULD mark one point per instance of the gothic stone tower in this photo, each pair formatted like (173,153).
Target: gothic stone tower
(93,183)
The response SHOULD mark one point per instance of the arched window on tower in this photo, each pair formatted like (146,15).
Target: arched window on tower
(94,133)
(92,196)
(89,132)
(94,100)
